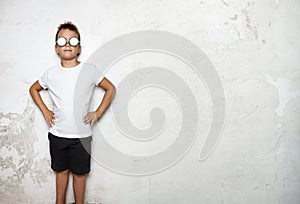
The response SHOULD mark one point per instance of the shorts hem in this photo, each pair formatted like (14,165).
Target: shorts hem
(73,172)
(59,170)
(80,173)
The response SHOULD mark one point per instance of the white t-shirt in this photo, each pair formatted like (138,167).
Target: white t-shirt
(71,90)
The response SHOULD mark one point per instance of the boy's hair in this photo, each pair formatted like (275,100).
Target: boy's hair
(67,25)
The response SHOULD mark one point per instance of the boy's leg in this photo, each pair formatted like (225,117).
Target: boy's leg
(59,163)
(79,182)
(79,165)
(62,180)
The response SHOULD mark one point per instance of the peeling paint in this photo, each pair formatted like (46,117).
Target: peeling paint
(17,157)
(286,92)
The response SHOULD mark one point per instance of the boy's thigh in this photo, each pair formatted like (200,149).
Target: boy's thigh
(80,156)
(58,152)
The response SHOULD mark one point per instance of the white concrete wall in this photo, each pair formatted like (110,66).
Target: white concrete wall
(253,45)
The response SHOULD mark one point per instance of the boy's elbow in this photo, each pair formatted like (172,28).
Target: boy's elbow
(31,90)
(34,88)
(113,89)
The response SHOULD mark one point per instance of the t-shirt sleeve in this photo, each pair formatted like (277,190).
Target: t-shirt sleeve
(98,76)
(43,80)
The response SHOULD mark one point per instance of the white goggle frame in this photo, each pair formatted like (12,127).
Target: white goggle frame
(62,41)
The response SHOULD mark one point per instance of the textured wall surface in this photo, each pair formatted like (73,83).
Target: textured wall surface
(254,47)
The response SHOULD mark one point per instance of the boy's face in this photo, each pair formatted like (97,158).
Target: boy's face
(67,52)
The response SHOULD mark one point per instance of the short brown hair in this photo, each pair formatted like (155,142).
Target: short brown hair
(67,25)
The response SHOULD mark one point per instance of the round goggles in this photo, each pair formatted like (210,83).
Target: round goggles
(62,41)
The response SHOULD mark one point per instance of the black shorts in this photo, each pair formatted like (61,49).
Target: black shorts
(70,153)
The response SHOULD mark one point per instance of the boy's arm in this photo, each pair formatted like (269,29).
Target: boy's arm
(110,90)
(34,92)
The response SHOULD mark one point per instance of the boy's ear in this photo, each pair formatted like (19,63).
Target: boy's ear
(56,49)
(79,50)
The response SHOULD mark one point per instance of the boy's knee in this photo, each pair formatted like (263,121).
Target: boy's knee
(80,175)
(63,172)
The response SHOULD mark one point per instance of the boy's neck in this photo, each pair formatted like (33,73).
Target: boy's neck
(69,63)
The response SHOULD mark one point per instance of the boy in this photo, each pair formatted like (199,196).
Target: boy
(68,154)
